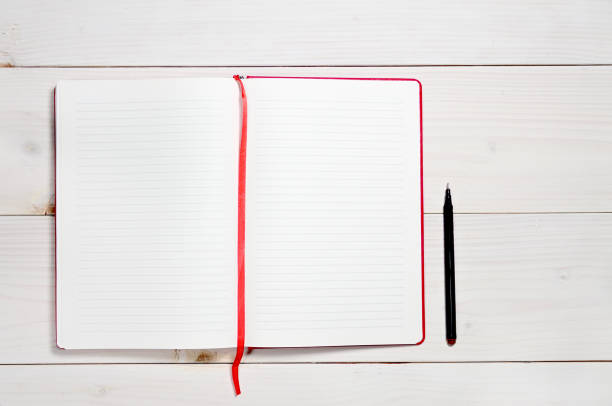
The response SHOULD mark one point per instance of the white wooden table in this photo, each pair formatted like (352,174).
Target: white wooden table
(517,116)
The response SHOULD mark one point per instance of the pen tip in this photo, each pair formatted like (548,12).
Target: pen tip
(451,341)
(447,186)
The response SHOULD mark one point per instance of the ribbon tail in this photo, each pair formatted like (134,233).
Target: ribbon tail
(235,377)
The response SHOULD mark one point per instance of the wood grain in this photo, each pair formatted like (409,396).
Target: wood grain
(320,32)
(509,139)
(529,288)
(430,384)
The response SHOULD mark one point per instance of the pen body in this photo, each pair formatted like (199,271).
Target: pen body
(449,269)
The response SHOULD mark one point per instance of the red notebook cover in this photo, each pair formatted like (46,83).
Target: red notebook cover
(421,167)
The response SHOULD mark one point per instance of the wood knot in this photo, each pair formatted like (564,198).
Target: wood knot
(206,356)
(46,210)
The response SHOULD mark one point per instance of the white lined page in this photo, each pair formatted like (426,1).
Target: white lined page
(333,217)
(146,213)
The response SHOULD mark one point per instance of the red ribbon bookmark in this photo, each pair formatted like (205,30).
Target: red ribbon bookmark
(241,211)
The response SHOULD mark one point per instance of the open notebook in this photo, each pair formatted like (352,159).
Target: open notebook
(146,189)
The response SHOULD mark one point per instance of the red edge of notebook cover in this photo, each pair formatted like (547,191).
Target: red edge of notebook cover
(421,165)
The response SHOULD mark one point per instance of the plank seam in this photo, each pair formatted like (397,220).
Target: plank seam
(313,362)
(428,213)
(12,66)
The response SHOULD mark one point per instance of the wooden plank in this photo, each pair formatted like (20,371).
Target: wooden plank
(280,32)
(529,287)
(509,139)
(431,384)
